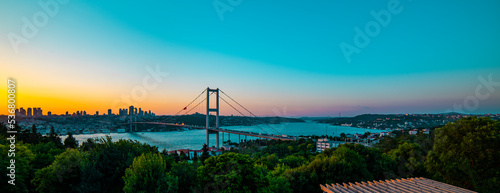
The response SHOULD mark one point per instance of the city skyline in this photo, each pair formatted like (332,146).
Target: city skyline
(37,111)
(277,58)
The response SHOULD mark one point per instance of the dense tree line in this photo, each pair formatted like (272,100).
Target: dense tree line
(463,153)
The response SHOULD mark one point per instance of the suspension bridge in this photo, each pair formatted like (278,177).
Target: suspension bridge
(214,108)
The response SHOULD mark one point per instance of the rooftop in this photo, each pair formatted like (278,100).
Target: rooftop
(395,185)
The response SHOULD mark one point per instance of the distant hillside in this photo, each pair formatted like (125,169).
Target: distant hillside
(359,118)
(200,119)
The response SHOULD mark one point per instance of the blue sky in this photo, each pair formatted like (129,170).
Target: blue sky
(269,55)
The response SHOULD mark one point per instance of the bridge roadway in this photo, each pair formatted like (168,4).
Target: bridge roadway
(211,129)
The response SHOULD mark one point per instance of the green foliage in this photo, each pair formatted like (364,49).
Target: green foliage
(186,172)
(29,136)
(22,161)
(54,138)
(294,161)
(148,173)
(270,161)
(44,154)
(104,166)
(230,172)
(301,179)
(380,165)
(183,156)
(466,154)
(70,141)
(61,176)
(277,182)
(387,143)
(344,165)
(175,156)
(204,156)
(409,157)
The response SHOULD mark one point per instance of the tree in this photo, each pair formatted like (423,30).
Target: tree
(61,176)
(31,137)
(45,154)
(380,165)
(410,160)
(301,179)
(387,144)
(23,159)
(344,165)
(88,145)
(277,182)
(465,154)
(205,154)
(230,172)
(186,174)
(105,165)
(294,161)
(270,161)
(53,137)
(175,156)
(195,157)
(311,147)
(70,141)
(342,135)
(183,156)
(148,173)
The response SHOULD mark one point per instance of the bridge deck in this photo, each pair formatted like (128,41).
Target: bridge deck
(261,135)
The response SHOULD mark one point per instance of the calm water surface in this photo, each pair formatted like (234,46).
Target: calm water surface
(194,139)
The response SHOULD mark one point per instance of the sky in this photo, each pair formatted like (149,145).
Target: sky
(279,58)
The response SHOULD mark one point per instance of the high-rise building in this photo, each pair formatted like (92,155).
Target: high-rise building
(49,113)
(140,112)
(97,113)
(29,112)
(67,113)
(38,111)
(131,110)
(123,112)
(84,113)
(22,112)
(109,112)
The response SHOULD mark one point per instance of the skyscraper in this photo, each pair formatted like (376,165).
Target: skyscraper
(109,112)
(29,112)
(131,110)
(22,111)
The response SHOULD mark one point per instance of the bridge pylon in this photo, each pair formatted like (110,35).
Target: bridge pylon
(216,110)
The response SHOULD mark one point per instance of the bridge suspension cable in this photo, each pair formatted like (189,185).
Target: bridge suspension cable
(186,107)
(245,110)
(192,102)
(241,113)
(197,104)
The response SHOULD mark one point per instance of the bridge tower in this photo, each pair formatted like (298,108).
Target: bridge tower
(216,110)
